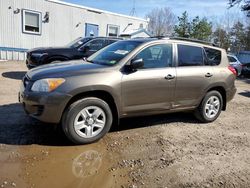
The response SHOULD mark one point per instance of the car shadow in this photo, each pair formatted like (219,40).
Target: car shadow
(16,75)
(245,94)
(16,128)
(155,120)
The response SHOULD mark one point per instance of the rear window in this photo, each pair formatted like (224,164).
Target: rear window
(244,58)
(213,56)
(190,56)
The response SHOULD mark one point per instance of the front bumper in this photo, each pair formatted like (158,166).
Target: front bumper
(46,107)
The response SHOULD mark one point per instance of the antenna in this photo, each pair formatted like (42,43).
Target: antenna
(133,11)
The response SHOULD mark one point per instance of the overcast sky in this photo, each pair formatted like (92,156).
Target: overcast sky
(202,8)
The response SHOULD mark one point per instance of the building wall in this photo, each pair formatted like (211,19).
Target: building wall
(61,28)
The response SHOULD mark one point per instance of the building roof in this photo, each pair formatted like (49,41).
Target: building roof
(95,10)
(134,32)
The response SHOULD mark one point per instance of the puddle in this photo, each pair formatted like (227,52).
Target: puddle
(44,166)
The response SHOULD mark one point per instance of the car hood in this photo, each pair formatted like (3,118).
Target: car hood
(63,70)
(50,49)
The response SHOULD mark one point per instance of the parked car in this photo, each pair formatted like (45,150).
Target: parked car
(130,78)
(234,62)
(79,48)
(244,58)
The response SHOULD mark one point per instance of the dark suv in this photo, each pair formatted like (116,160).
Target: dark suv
(78,49)
(130,78)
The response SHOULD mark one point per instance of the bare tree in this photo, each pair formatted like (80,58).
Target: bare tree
(245,7)
(162,21)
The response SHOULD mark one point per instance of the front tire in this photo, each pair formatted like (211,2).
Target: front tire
(210,107)
(87,120)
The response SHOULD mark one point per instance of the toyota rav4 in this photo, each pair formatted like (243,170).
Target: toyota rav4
(136,77)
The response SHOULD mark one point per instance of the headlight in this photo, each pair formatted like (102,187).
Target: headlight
(38,54)
(47,85)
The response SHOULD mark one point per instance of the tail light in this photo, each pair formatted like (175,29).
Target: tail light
(232,70)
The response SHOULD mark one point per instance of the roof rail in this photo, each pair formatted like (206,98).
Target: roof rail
(186,39)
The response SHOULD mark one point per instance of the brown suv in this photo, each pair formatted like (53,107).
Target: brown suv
(130,78)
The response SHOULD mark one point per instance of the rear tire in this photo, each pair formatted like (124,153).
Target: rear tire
(210,107)
(87,120)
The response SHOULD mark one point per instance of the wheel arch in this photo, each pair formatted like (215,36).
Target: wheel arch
(57,58)
(222,91)
(101,94)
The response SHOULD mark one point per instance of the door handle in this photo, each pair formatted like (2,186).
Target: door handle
(208,75)
(169,77)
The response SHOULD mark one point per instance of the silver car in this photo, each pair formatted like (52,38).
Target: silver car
(234,62)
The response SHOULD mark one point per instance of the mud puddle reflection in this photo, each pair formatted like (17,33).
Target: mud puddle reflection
(44,166)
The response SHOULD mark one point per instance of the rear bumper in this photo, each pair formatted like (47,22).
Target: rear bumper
(231,93)
(46,107)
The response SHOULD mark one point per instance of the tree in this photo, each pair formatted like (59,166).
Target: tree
(245,7)
(222,38)
(161,21)
(198,28)
(247,39)
(238,37)
(183,27)
(201,29)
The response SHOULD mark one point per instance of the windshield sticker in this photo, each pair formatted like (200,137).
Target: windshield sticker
(80,42)
(121,52)
(112,62)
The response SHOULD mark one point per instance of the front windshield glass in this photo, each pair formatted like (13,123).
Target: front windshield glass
(78,42)
(114,53)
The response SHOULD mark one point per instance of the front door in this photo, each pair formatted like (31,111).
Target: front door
(150,89)
(91,30)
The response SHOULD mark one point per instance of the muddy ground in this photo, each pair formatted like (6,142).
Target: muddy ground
(172,150)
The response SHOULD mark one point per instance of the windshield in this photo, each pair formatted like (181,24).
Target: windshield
(114,53)
(78,42)
(244,58)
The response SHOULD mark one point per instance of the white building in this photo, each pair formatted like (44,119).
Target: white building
(26,24)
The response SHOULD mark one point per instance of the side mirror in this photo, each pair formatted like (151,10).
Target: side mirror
(136,63)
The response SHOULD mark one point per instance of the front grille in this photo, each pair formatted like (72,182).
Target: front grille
(39,110)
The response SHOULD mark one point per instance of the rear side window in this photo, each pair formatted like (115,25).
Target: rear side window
(95,45)
(190,56)
(111,41)
(213,56)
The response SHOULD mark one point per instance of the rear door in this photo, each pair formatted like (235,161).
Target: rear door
(111,41)
(93,46)
(193,76)
(150,89)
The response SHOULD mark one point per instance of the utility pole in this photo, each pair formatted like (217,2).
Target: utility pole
(133,11)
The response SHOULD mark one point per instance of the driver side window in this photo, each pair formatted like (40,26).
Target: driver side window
(157,56)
